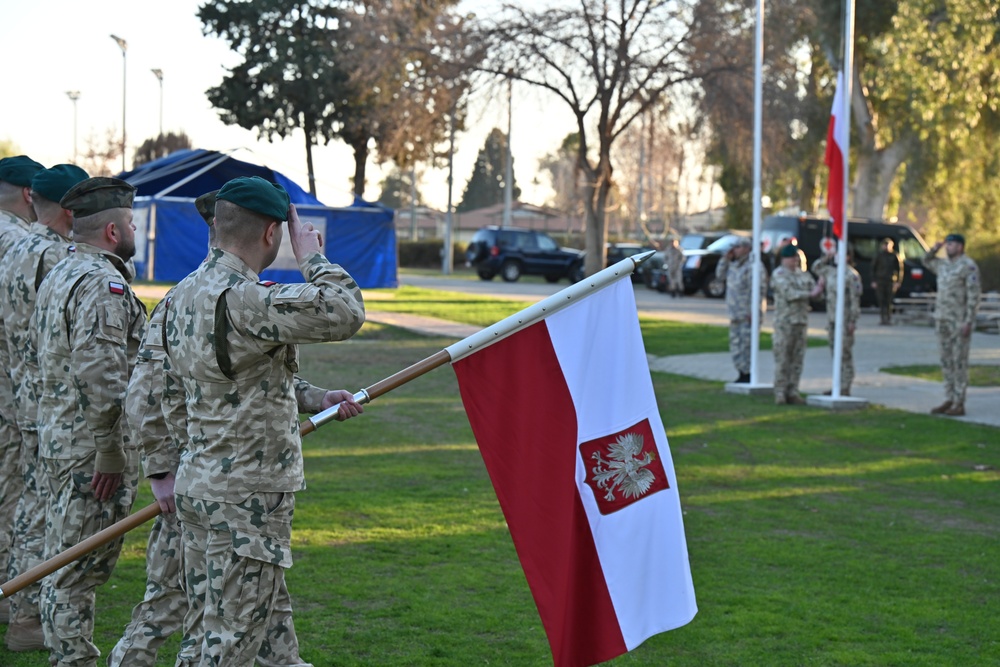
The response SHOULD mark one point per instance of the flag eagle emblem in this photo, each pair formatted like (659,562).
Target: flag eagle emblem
(623,467)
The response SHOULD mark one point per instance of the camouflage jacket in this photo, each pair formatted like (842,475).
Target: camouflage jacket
(738,275)
(229,388)
(25,266)
(958,288)
(825,268)
(86,330)
(12,229)
(791,296)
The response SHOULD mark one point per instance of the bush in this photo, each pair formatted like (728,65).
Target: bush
(427,254)
(988,259)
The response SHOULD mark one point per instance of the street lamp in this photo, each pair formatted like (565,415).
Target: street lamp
(123,45)
(74,95)
(158,73)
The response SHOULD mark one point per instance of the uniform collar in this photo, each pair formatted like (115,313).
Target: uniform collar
(127,269)
(231,261)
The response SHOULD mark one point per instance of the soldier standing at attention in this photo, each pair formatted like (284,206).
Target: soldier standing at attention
(230,396)
(885,278)
(87,326)
(16,213)
(792,289)
(673,257)
(736,269)
(825,269)
(24,267)
(164,606)
(958,291)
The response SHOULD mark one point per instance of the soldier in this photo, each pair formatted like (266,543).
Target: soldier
(825,269)
(164,606)
(885,279)
(87,327)
(25,266)
(673,257)
(228,377)
(737,270)
(958,291)
(792,289)
(16,214)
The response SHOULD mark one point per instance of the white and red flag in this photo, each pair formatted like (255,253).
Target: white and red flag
(567,423)
(837,141)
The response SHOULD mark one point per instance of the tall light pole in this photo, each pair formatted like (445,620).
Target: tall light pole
(158,73)
(123,45)
(508,186)
(74,95)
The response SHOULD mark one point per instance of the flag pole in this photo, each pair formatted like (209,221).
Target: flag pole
(756,277)
(466,346)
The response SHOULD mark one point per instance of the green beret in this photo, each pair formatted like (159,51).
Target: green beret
(97,194)
(257,195)
(957,238)
(206,205)
(790,251)
(55,182)
(19,170)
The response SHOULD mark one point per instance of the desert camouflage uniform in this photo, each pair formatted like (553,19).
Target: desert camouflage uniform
(738,275)
(228,376)
(825,268)
(958,292)
(674,259)
(87,327)
(12,228)
(162,610)
(791,319)
(24,267)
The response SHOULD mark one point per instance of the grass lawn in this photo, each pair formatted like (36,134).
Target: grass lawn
(816,538)
(979,375)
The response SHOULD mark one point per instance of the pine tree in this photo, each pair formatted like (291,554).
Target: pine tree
(486,185)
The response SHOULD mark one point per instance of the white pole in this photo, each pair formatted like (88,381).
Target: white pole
(508,189)
(758,96)
(446,258)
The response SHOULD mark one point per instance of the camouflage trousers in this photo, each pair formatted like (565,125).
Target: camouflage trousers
(164,606)
(789,357)
(10,480)
(676,279)
(233,561)
(739,344)
(74,515)
(846,358)
(954,349)
(28,549)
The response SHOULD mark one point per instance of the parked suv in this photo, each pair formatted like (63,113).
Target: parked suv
(699,266)
(863,237)
(513,252)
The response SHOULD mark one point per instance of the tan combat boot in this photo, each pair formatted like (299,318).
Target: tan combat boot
(956,410)
(25,635)
(941,409)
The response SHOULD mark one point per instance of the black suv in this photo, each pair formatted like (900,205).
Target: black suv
(699,266)
(513,252)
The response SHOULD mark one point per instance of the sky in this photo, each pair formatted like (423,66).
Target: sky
(66,45)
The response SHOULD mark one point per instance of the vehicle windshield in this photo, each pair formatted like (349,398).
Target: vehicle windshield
(724,244)
(692,242)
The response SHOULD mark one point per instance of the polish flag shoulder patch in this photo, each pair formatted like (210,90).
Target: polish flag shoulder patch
(623,468)
(267,283)
(116,288)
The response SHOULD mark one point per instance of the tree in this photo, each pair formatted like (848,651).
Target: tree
(487,184)
(397,190)
(8,148)
(102,153)
(564,175)
(608,63)
(160,146)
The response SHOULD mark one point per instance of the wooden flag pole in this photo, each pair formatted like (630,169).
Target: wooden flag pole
(464,347)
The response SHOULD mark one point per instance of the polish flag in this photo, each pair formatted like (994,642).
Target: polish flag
(837,141)
(568,426)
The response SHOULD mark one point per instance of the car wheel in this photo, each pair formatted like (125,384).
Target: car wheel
(576,274)
(485,275)
(552,278)
(510,271)
(714,288)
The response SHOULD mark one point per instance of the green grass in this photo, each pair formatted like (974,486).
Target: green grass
(979,375)
(816,538)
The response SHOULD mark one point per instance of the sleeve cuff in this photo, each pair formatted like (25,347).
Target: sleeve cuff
(110,462)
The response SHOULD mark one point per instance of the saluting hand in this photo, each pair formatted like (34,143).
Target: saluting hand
(303,236)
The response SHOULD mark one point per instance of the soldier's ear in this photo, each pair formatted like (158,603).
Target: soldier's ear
(271,233)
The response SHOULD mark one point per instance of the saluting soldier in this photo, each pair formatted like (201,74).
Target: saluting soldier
(23,270)
(673,257)
(164,606)
(87,326)
(825,269)
(955,308)
(228,376)
(736,269)
(792,289)
(16,213)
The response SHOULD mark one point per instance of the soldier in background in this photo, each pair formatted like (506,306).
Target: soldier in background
(673,257)
(164,606)
(16,213)
(825,270)
(24,268)
(737,270)
(87,326)
(792,289)
(958,292)
(885,279)
(231,343)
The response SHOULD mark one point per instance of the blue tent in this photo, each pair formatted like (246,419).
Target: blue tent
(172,239)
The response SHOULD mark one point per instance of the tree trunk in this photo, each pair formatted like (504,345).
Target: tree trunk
(873,181)
(308,127)
(360,148)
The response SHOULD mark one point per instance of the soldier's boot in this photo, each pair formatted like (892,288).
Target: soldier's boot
(25,635)
(796,399)
(779,399)
(956,410)
(5,611)
(743,378)
(941,409)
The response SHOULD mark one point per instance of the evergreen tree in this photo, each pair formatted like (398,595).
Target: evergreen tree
(486,185)
(160,146)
